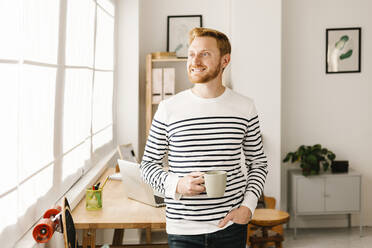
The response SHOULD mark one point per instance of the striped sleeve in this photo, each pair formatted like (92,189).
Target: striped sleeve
(152,171)
(256,162)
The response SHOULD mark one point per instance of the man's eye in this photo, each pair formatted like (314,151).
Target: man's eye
(205,54)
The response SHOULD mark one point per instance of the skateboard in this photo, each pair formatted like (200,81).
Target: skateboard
(57,219)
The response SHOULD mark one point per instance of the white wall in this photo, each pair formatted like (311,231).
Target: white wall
(256,73)
(127,72)
(334,110)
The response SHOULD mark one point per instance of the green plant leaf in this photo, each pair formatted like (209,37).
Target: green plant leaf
(312,159)
(331,156)
(294,158)
(325,166)
(287,157)
(306,166)
(317,146)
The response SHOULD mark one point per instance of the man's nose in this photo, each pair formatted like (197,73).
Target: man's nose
(196,60)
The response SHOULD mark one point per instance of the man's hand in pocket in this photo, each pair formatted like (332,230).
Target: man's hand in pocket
(240,215)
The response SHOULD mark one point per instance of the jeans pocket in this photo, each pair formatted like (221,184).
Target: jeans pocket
(185,241)
(234,236)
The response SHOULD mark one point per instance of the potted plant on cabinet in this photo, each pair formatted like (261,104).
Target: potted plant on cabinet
(310,158)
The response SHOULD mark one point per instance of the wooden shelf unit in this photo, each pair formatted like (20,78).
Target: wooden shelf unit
(150,59)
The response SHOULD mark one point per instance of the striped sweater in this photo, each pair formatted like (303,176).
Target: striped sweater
(203,134)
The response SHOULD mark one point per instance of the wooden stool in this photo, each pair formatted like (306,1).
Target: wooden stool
(265,219)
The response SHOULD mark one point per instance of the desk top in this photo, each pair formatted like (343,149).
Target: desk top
(117,211)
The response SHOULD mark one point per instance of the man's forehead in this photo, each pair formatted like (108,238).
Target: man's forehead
(204,44)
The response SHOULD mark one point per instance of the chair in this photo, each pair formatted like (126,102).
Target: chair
(266,203)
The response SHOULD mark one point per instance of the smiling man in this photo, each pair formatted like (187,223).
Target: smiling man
(202,129)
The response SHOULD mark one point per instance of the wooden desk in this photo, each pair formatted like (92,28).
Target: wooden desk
(118,212)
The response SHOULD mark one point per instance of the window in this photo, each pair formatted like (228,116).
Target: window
(56,97)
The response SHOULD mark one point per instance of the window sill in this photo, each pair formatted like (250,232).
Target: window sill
(74,195)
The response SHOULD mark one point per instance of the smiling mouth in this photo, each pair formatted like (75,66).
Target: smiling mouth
(198,69)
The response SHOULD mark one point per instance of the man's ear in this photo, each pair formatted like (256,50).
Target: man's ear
(225,60)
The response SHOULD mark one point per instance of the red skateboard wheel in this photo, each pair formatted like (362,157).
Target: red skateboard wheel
(52,212)
(44,230)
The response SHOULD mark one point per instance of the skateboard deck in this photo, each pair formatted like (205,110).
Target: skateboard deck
(68,226)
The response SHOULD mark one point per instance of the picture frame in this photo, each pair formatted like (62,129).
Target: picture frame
(126,152)
(178,28)
(343,50)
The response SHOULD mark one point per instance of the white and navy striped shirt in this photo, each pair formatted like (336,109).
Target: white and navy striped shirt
(203,134)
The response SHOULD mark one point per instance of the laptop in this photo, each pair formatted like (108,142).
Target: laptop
(137,189)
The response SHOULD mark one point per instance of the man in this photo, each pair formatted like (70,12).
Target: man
(201,129)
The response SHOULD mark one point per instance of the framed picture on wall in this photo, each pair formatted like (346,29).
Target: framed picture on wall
(177,32)
(343,50)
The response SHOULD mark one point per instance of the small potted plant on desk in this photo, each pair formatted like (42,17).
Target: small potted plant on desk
(310,158)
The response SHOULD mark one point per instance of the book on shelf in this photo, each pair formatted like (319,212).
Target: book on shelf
(163,84)
(168,82)
(157,85)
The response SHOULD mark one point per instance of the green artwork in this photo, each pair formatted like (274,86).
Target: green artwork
(343,50)
(340,46)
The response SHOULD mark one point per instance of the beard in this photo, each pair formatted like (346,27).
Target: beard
(199,79)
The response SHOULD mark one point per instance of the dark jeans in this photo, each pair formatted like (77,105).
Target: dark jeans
(234,236)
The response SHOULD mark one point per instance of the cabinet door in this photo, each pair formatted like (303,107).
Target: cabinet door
(342,193)
(310,194)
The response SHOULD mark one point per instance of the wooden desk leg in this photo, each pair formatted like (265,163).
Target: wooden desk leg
(148,235)
(85,238)
(89,238)
(118,237)
(93,238)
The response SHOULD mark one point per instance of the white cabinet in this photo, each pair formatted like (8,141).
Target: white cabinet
(325,194)
(342,193)
(309,196)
